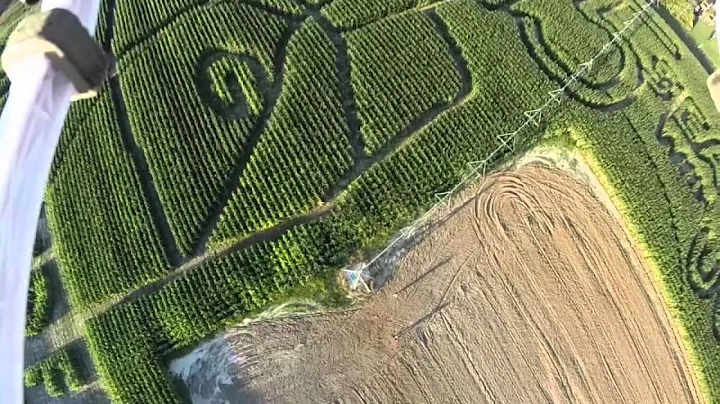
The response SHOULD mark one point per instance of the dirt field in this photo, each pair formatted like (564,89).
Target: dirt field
(529,292)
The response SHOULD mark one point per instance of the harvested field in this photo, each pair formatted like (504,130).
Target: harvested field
(529,291)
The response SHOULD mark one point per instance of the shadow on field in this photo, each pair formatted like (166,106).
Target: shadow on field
(425,274)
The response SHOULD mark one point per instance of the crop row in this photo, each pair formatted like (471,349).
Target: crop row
(567,32)
(58,370)
(285,6)
(385,198)
(101,30)
(398,82)
(39,304)
(106,241)
(305,148)
(587,89)
(190,148)
(73,128)
(198,304)
(435,158)
(138,21)
(355,13)
(232,88)
(129,344)
(699,156)
(123,347)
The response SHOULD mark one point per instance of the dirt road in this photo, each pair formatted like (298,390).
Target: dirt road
(529,292)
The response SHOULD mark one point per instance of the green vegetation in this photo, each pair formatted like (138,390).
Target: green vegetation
(682,10)
(58,371)
(393,75)
(656,158)
(105,238)
(610,72)
(190,309)
(140,22)
(354,13)
(315,141)
(250,148)
(568,32)
(39,304)
(204,141)
(434,158)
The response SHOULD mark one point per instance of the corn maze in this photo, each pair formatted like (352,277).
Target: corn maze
(250,147)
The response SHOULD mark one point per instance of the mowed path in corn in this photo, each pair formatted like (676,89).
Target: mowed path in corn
(527,291)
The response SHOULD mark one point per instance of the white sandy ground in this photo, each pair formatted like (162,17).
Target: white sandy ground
(527,291)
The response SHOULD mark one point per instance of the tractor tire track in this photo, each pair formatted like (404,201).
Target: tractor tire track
(532,323)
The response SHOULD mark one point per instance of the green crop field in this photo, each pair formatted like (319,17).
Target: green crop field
(249,149)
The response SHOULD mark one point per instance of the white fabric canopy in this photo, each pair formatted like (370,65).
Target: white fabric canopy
(717,23)
(30,126)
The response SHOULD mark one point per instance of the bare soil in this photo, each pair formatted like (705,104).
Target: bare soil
(527,291)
